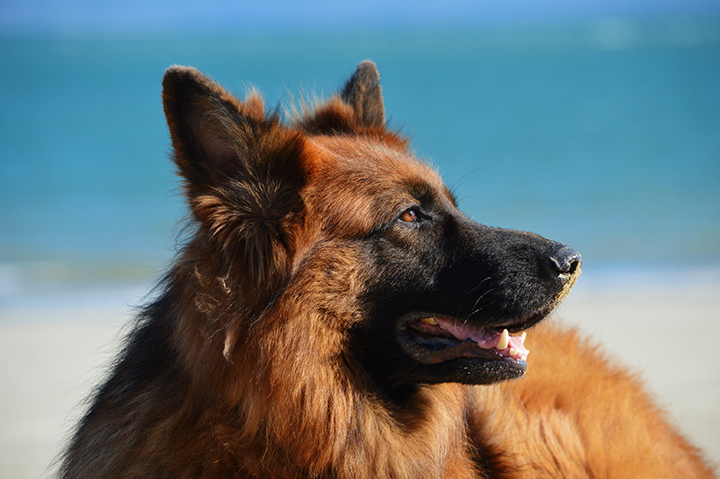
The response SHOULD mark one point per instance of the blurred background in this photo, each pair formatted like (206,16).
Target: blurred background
(594,123)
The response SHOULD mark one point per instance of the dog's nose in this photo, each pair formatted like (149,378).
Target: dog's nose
(565,260)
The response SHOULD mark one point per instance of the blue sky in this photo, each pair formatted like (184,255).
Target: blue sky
(168,15)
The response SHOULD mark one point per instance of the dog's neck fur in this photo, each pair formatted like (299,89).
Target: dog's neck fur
(275,400)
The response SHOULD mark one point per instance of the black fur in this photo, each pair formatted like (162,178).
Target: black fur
(447,265)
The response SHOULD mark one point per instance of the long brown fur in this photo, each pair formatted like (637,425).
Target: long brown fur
(241,368)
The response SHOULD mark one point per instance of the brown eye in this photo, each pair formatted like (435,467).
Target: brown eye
(409,216)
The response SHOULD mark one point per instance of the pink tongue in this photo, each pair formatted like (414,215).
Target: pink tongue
(484,339)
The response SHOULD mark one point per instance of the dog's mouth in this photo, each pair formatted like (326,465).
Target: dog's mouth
(434,339)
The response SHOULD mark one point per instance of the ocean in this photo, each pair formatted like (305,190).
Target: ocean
(604,135)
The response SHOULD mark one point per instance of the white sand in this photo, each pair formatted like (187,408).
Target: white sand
(52,353)
(667,337)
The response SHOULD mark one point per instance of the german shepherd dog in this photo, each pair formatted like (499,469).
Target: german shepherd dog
(333,315)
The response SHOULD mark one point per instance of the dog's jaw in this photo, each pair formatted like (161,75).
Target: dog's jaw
(487,352)
(449,337)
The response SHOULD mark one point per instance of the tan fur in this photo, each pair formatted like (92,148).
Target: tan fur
(576,414)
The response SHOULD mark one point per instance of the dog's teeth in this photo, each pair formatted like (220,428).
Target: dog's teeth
(522,337)
(430,321)
(502,343)
(513,352)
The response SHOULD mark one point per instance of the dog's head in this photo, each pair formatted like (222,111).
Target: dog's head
(331,217)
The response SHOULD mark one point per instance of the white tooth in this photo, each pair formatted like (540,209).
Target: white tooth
(522,337)
(430,321)
(513,352)
(502,343)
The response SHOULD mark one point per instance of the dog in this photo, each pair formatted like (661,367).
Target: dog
(334,315)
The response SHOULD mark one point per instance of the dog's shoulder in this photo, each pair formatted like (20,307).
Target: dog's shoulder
(577,414)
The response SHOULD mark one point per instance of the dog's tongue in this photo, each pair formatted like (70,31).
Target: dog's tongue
(503,343)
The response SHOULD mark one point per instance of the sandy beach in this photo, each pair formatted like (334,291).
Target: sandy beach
(53,350)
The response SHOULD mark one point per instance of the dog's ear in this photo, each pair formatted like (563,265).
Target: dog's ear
(364,94)
(242,170)
(215,136)
(357,109)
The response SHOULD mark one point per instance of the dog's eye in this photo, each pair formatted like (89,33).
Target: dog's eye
(410,215)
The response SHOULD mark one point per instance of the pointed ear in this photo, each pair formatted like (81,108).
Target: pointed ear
(364,94)
(243,170)
(206,126)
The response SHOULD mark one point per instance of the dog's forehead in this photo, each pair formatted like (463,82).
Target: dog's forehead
(358,184)
(371,162)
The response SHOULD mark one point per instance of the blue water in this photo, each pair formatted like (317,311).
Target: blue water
(605,136)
